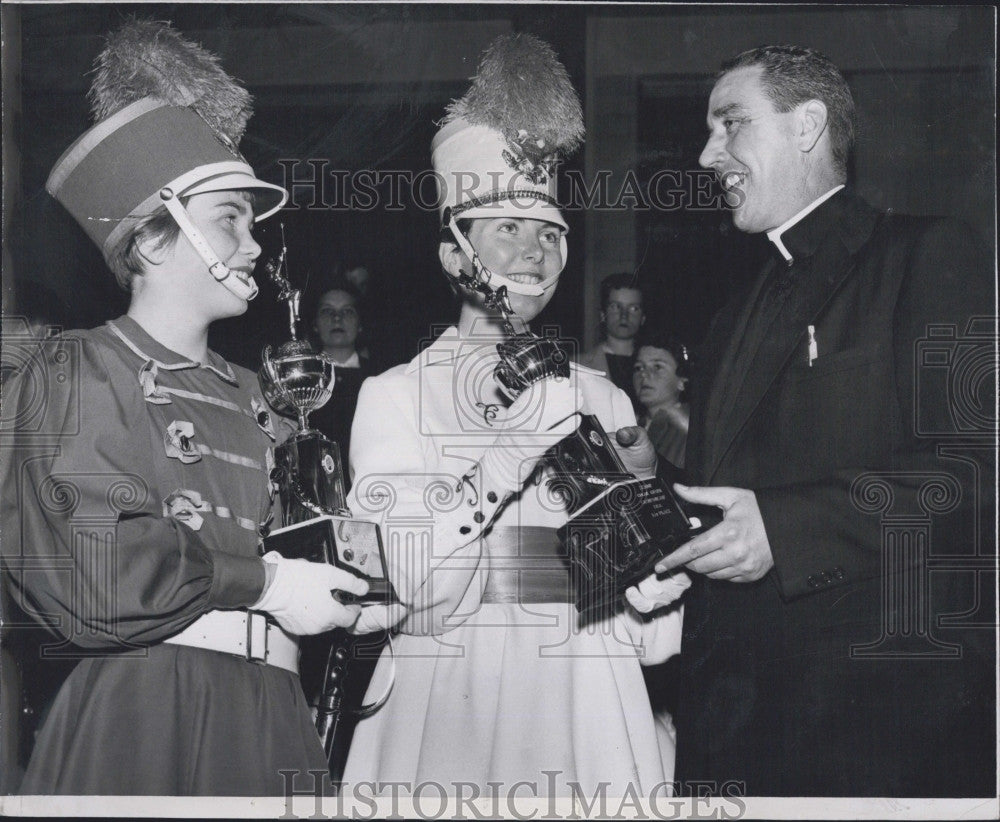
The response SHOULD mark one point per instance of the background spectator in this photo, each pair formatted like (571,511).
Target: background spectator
(337,324)
(621,318)
(660,378)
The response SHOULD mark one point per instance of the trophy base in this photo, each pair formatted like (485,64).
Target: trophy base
(308,474)
(352,544)
(617,538)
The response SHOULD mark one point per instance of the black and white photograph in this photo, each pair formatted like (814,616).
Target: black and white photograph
(499,410)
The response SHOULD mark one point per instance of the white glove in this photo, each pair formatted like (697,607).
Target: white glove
(378,617)
(539,418)
(300,597)
(653,592)
(636,451)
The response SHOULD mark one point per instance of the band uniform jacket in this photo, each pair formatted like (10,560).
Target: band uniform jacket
(134,489)
(854,667)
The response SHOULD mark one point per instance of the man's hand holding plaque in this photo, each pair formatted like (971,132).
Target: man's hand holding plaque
(623,518)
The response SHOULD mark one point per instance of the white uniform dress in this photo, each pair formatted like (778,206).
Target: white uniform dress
(489,692)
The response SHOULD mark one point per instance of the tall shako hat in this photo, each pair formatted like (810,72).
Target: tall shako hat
(168,124)
(499,145)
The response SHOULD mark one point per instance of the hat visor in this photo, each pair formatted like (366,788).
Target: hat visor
(268,198)
(525,208)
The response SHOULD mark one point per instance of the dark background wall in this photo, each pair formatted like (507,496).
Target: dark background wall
(359,86)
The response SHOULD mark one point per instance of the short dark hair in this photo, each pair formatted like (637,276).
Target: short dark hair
(339,283)
(448,236)
(794,74)
(327,284)
(613,282)
(335,282)
(124,258)
(655,337)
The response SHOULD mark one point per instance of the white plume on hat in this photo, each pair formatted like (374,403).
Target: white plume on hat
(522,88)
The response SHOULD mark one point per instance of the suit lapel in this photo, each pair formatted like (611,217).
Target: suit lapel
(827,270)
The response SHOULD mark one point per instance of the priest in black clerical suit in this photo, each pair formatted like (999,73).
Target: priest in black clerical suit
(830,642)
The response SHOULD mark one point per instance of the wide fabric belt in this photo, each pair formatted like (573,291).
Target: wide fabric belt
(528,565)
(246,634)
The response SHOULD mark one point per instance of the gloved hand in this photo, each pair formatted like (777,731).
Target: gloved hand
(378,617)
(300,596)
(538,419)
(636,451)
(653,592)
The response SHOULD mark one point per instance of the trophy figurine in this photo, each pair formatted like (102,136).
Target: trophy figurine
(619,525)
(316,523)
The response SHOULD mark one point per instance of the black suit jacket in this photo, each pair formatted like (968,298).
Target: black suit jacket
(831,675)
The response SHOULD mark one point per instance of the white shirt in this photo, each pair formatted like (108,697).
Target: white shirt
(774,235)
(354,361)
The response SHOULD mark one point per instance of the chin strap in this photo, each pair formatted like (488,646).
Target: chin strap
(243,290)
(481,273)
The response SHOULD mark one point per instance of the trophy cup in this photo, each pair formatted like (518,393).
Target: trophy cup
(619,525)
(315,522)
(295,379)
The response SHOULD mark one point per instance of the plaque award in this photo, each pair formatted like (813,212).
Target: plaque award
(619,525)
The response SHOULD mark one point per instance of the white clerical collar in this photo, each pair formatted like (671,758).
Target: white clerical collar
(774,235)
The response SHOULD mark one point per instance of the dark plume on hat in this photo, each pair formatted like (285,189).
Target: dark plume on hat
(523,91)
(146,58)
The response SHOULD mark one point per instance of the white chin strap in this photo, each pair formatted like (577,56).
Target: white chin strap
(493,280)
(243,290)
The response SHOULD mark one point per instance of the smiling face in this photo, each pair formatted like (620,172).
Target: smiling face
(753,151)
(524,250)
(655,379)
(225,219)
(337,320)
